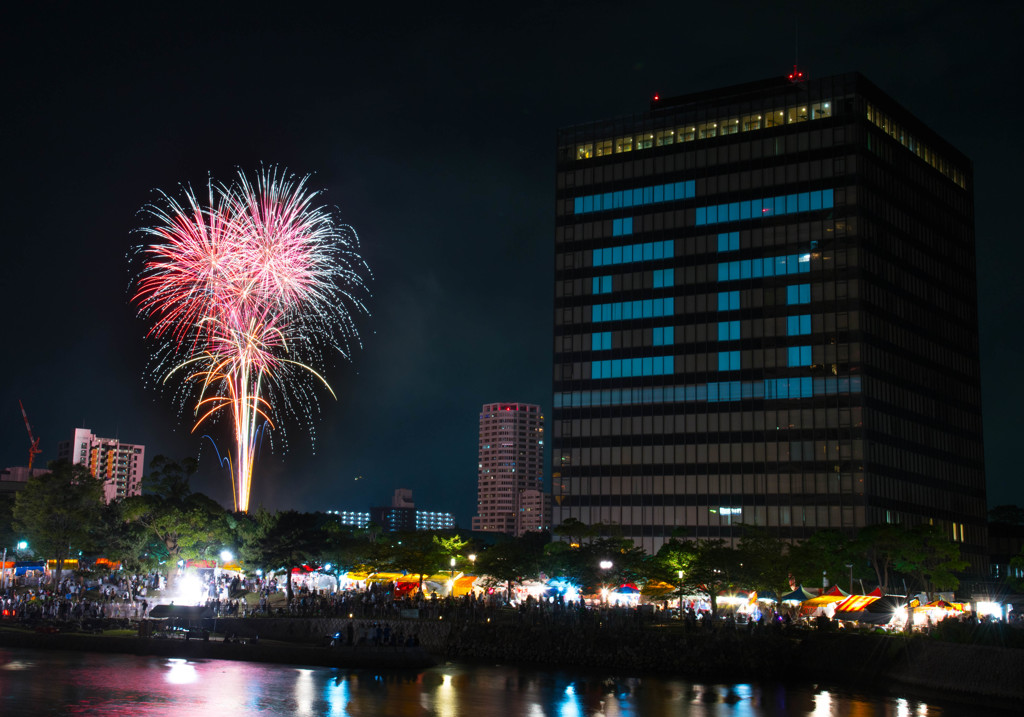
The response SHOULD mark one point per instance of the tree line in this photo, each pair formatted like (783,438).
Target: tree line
(63,516)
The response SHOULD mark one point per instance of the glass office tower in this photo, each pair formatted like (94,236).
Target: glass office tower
(766,313)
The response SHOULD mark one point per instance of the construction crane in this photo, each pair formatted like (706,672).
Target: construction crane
(33,449)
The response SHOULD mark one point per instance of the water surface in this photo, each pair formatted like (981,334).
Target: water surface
(37,682)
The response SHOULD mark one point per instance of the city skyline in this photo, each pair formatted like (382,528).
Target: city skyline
(433,136)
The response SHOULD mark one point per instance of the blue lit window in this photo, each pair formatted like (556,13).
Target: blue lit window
(712,392)
(622,227)
(728,300)
(650,251)
(769,266)
(728,360)
(628,368)
(602,285)
(768,206)
(798,325)
(663,278)
(663,335)
(728,241)
(728,330)
(798,294)
(799,356)
(601,341)
(654,194)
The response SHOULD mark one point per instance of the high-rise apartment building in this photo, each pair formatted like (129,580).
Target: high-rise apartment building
(120,465)
(766,313)
(510,495)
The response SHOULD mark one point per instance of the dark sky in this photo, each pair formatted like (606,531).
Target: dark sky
(433,132)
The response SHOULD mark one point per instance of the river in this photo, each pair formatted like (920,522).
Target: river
(36,682)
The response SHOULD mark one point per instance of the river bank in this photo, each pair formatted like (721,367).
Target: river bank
(993,675)
(268,651)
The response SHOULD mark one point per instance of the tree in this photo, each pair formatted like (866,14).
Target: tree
(930,558)
(825,553)
(186,525)
(1017,564)
(58,510)
(130,544)
(418,553)
(513,560)
(713,569)
(764,562)
(880,545)
(673,557)
(289,539)
(575,531)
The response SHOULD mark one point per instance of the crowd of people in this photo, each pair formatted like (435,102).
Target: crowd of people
(131,597)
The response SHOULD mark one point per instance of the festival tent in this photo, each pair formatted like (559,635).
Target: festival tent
(656,590)
(835,591)
(871,609)
(626,594)
(799,595)
(821,605)
(463,585)
(407,585)
(937,610)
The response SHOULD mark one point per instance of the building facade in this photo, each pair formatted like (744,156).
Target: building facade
(510,494)
(402,515)
(766,314)
(120,465)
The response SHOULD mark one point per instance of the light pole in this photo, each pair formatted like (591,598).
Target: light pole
(451,588)
(850,566)
(679,573)
(605,565)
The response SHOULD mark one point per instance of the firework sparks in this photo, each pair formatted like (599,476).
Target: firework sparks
(245,294)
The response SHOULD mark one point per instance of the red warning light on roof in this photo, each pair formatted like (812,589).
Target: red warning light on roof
(656,97)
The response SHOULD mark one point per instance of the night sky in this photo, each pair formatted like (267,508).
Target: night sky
(433,133)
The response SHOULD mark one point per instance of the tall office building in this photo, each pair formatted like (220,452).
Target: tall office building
(510,495)
(765,313)
(120,465)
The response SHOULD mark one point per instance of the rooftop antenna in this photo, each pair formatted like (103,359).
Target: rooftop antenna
(797,75)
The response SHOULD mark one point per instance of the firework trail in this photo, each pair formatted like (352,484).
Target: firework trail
(245,293)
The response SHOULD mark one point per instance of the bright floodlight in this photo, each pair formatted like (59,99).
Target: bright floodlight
(22,545)
(226,556)
(605,565)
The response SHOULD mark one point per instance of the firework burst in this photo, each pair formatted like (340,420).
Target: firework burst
(246,292)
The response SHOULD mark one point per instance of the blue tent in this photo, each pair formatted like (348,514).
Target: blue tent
(25,566)
(798,595)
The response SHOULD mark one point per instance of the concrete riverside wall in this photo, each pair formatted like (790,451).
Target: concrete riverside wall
(432,634)
(873,661)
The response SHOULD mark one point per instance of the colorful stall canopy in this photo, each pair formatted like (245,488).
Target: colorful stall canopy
(463,585)
(657,590)
(855,603)
(799,595)
(835,591)
(822,600)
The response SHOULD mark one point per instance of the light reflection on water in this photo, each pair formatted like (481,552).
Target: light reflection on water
(38,682)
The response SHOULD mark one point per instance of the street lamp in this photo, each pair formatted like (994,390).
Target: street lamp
(850,566)
(680,573)
(451,587)
(605,565)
